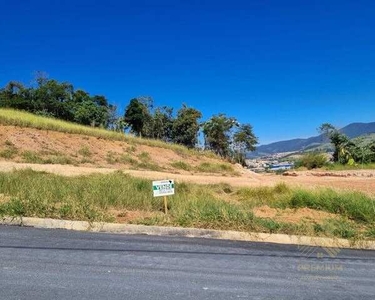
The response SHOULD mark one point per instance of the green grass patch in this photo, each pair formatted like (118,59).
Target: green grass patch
(9,153)
(85,151)
(144,163)
(181,165)
(38,194)
(312,160)
(127,159)
(32,157)
(112,158)
(223,168)
(10,150)
(273,196)
(59,159)
(144,156)
(341,167)
(353,205)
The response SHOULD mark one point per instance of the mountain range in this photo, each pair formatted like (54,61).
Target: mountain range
(352,130)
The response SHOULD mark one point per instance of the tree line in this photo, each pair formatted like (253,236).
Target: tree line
(221,134)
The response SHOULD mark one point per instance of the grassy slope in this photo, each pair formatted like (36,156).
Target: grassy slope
(130,156)
(95,197)
(24,119)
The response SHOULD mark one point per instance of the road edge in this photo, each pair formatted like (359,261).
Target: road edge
(187,232)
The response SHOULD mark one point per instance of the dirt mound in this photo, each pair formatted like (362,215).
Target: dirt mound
(28,145)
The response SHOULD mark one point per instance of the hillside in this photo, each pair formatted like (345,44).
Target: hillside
(28,138)
(352,131)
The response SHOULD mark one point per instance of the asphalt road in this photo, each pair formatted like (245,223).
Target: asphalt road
(57,264)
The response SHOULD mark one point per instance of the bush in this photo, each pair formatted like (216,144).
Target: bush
(312,161)
(207,167)
(181,165)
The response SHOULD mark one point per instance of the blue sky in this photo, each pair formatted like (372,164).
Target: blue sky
(283,66)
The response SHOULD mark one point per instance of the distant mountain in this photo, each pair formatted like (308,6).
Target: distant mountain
(352,131)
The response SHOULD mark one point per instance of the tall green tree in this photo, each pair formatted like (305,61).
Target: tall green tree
(160,124)
(244,140)
(53,97)
(136,116)
(16,95)
(218,134)
(186,126)
(87,110)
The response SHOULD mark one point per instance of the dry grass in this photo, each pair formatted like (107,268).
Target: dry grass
(96,197)
(24,119)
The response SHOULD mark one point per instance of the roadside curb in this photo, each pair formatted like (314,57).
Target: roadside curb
(188,232)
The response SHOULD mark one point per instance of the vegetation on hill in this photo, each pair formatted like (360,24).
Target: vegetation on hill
(120,197)
(347,151)
(59,100)
(317,143)
(25,137)
(357,153)
(312,161)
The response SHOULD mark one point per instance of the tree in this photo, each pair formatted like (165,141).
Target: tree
(186,126)
(218,135)
(16,95)
(49,97)
(136,116)
(120,125)
(160,124)
(54,98)
(244,140)
(87,113)
(340,142)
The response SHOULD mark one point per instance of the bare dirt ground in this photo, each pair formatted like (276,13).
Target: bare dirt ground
(89,155)
(248,179)
(293,215)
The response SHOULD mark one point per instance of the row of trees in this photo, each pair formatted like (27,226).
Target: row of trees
(51,98)
(221,134)
(347,151)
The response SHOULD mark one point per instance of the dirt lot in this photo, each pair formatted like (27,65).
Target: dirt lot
(94,155)
(305,180)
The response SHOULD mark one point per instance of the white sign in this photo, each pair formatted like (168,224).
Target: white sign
(163,188)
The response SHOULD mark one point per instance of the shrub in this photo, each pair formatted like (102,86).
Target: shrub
(9,153)
(312,161)
(207,167)
(32,157)
(85,151)
(181,165)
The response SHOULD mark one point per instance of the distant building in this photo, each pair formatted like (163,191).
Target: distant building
(283,166)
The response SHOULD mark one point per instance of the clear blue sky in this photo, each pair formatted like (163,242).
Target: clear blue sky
(284,66)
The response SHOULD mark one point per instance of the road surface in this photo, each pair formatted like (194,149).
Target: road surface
(57,264)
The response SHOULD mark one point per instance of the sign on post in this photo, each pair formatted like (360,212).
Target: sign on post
(163,188)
